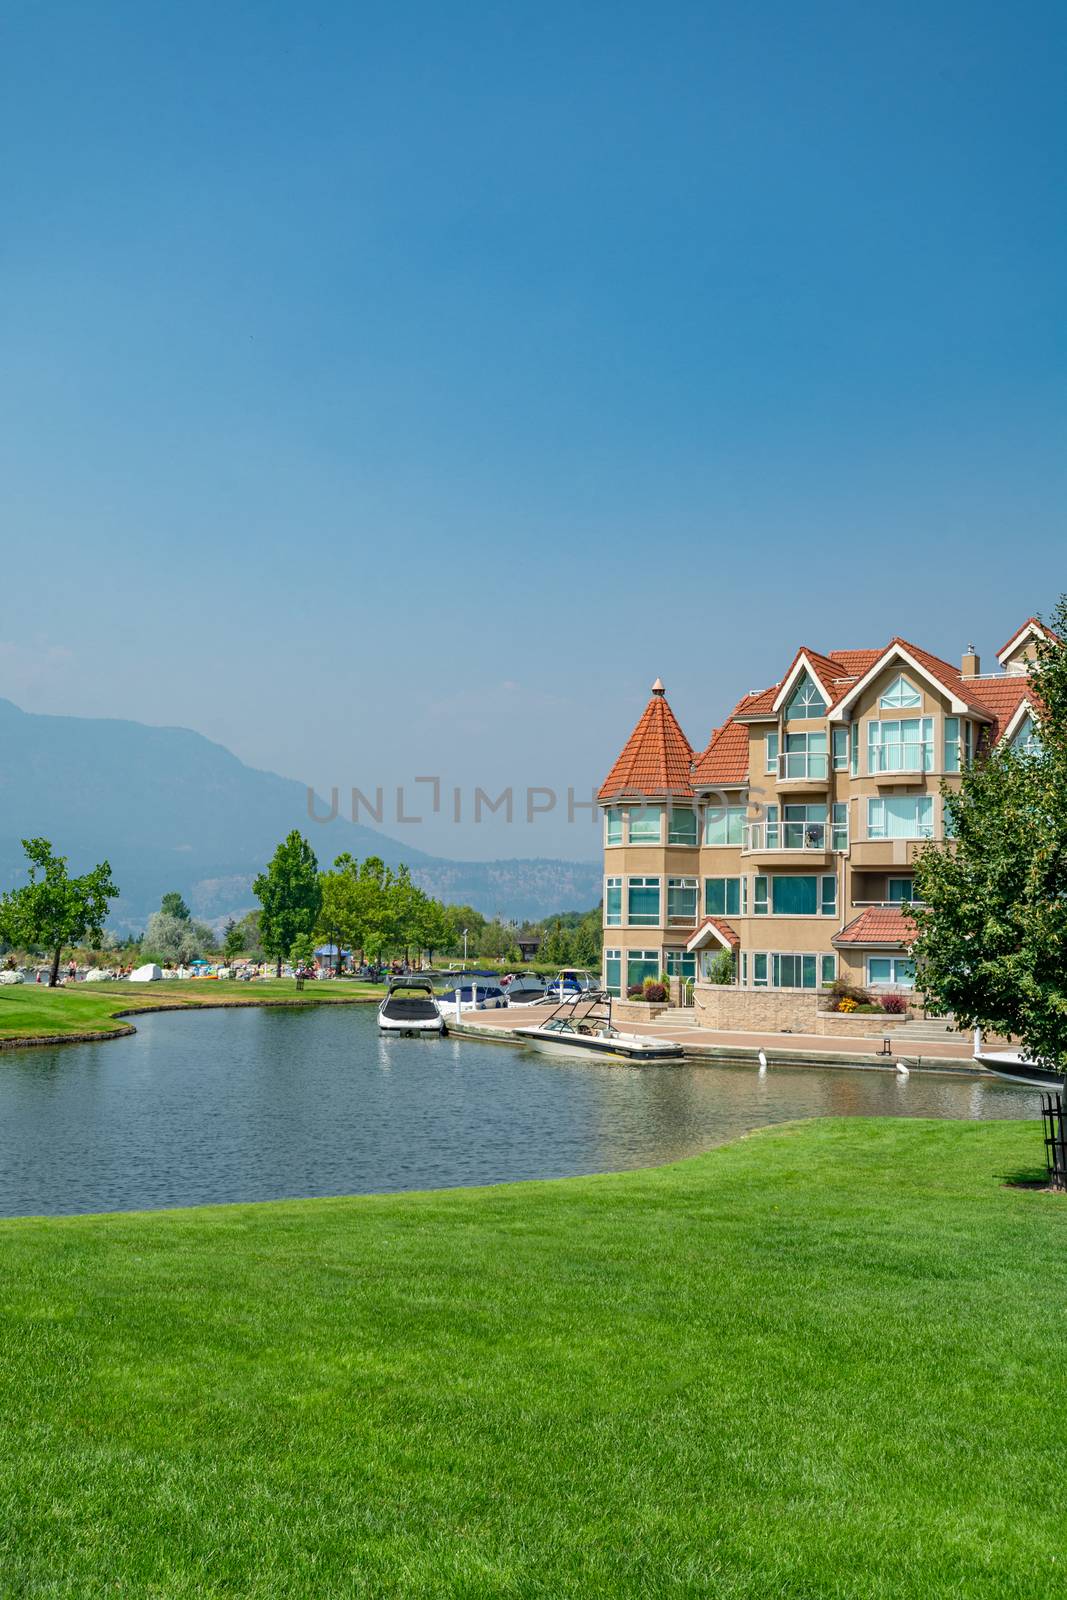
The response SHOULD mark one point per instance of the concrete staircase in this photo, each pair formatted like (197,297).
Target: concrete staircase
(678,1017)
(928,1030)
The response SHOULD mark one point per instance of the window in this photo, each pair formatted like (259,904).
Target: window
(722,897)
(682,901)
(906,745)
(1026,741)
(828,899)
(680,964)
(890,971)
(855,743)
(899,890)
(907,816)
(968,742)
(613,971)
(840,743)
(772,752)
(613,902)
(641,964)
(643,902)
(806,701)
(724,824)
(759,897)
(900,696)
(839,826)
(645,824)
(613,826)
(805,756)
(795,896)
(804,827)
(789,969)
(682,826)
(952,744)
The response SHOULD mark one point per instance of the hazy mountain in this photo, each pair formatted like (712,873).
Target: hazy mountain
(172,810)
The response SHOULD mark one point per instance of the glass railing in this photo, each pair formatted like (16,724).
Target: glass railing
(815,836)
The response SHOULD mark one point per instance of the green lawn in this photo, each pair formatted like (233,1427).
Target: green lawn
(29,1010)
(823,1361)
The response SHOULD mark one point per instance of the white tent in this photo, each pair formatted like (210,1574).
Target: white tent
(148,974)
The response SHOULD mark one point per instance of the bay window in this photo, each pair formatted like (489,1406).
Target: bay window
(613,825)
(904,745)
(646,824)
(952,744)
(682,825)
(906,816)
(613,902)
(890,972)
(771,747)
(613,971)
(805,756)
(840,748)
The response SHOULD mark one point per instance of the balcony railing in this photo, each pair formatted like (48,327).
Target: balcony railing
(814,836)
(812,766)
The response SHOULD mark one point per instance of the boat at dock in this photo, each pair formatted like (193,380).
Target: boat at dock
(410,1006)
(581,1025)
(1017,1068)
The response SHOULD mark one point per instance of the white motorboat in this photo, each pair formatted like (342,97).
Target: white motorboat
(410,1006)
(581,1025)
(572,983)
(526,990)
(471,993)
(1017,1068)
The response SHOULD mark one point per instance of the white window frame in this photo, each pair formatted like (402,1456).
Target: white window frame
(644,881)
(683,921)
(922,830)
(885,703)
(613,883)
(893,982)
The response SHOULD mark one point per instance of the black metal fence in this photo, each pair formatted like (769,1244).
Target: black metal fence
(1052,1115)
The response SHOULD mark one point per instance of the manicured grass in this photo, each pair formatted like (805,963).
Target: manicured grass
(29,1010)
(823,1361)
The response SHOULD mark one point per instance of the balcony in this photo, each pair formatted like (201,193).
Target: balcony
(785,842)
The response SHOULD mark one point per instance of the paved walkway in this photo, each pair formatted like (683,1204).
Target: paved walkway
(954,1053)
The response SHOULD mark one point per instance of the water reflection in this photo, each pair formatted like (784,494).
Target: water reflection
(254,1105)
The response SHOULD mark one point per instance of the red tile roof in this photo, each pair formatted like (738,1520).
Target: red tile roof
(854,663)
(721,926)
(948,676)
(1003,696)
(656,757)
(1031,622)
(877,925)
(726,758)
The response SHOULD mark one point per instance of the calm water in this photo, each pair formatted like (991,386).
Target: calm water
(257,1105)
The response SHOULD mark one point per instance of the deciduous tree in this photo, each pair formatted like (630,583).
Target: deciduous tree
(290,894)
(54,909)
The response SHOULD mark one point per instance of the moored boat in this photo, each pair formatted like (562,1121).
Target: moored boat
(410,1006)
(1017,1068)
(581,1026)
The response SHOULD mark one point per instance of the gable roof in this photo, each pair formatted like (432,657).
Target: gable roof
(713,930)
(965,700)
(1005,697)
(878,927)
(1033,628)
(655,759)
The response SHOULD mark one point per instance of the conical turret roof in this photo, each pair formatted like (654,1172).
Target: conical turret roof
(656,758)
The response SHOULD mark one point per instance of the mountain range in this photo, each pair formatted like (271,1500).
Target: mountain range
(172,810)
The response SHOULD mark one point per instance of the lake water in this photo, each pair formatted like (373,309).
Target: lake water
(211,1106)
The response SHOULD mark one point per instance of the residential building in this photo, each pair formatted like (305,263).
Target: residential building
(789,840)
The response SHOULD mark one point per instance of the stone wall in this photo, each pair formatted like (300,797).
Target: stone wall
(780,1011)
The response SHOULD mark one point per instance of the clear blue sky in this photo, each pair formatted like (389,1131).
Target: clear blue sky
(398,389)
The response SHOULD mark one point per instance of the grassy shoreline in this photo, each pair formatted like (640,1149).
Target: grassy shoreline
(31,1014)
(813,1362)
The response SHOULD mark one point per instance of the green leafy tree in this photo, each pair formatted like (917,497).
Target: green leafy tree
(172,905)
(290,895)
(54,909)
(172,939)
(992,923)
(233,940)
(556,949)
(302,951)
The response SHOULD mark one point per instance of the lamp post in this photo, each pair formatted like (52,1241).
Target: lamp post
(465,949)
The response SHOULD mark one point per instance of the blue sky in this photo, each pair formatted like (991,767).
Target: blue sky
(396,390)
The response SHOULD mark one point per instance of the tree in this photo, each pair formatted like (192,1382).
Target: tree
(54,909)
(556,946)
(992,923)
(175,939)
(172,905)
(302,952)
(290,894)
(233,940)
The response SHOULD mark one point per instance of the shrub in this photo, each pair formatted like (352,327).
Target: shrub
(846,1004)
(722,968)
(894,1004)
(635,991)
(655,992)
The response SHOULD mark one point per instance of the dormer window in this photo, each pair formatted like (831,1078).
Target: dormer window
(900,696)
(1026,741)
(806,701)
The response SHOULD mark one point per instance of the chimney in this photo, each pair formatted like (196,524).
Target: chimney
(971,665)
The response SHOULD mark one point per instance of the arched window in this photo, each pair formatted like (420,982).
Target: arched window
(900,696)
(1026,740)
